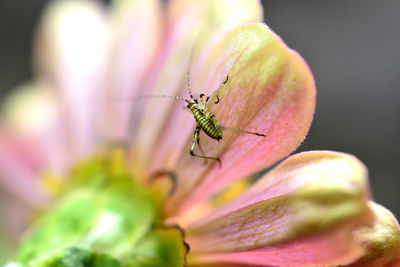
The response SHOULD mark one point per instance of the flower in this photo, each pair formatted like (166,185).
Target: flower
(105,159)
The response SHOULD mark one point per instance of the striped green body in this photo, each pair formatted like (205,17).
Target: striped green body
(207,121)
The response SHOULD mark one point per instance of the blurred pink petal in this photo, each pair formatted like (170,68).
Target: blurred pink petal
(19,164)
(270,90)
(136,35)
(190,28)
(43,125)
(71,49)
(214,16)
(312,200)
(382,240)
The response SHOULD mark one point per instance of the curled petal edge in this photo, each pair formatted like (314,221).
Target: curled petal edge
(382,240)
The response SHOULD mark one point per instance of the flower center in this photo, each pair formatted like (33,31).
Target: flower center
(103,217)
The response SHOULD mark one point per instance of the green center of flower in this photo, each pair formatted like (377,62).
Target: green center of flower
(103,217)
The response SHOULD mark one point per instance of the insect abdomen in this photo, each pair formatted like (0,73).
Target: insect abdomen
(209,126)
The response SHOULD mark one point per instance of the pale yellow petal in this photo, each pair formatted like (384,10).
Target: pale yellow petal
(382,241)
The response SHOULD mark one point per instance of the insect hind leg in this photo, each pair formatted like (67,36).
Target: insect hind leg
(196,139)
(243,131)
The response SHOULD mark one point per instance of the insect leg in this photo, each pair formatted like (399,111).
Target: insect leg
(242,131)
(216,102)
(201,149)
(216,92)
(196,137)
(226,80)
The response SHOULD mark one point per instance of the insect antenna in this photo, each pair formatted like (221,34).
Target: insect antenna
(178,98)
(133,98)
(242,131)
(188,73)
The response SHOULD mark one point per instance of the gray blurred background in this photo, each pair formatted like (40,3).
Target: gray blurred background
(352,47)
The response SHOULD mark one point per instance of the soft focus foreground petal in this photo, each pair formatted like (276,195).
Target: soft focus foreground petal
(71,48)
(303,212)
(192,28)
(382,241)
(136,27)
(31,113)
(270,91)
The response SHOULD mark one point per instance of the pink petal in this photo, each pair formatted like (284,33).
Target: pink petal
(382,240)
(219,264)
(305,211)
(270,91)
(331,249)
(136,28)
(226,12)
(191,26)
(71,48)
(19,169)
(43,125)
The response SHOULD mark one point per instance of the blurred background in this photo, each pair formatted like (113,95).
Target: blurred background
(352,47)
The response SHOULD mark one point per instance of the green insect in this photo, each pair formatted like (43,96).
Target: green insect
(206,120)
